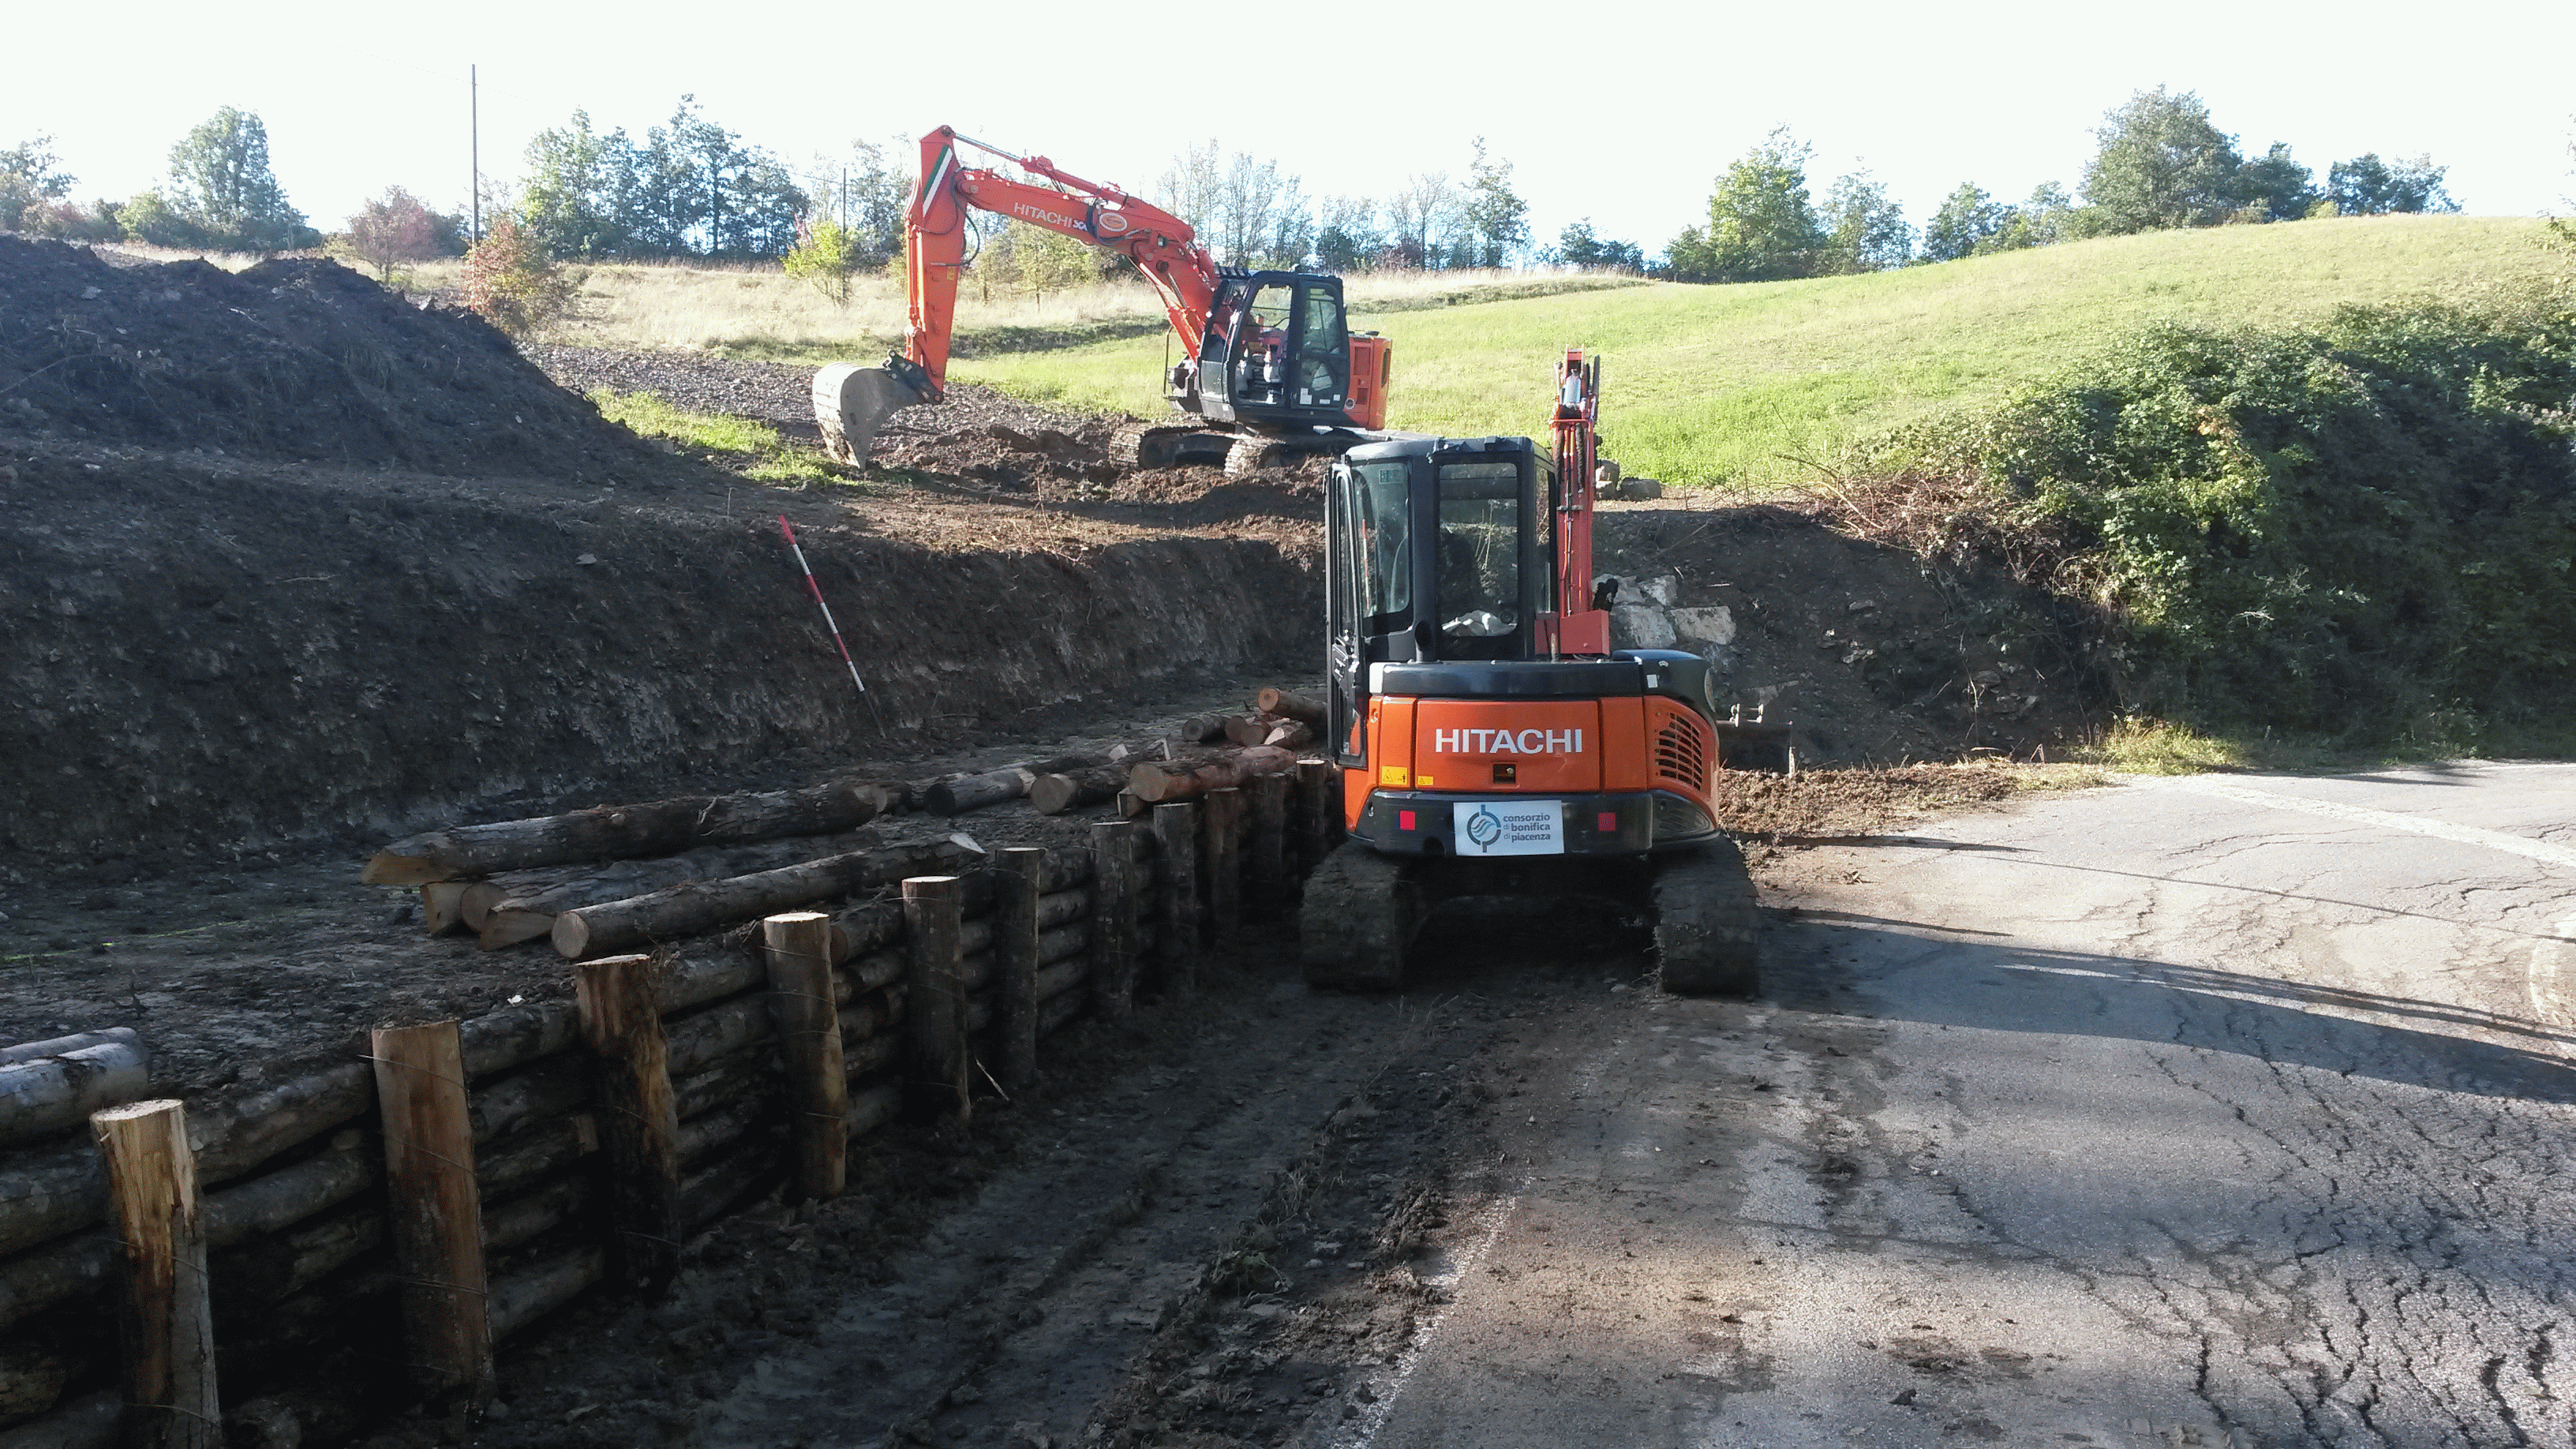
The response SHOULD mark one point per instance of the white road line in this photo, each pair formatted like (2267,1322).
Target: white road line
(2540,850)
(1362,1431)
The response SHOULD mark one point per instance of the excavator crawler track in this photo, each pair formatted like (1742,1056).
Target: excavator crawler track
(1357,923)
(1707,927)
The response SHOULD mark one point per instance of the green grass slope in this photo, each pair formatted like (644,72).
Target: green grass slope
(1734,384)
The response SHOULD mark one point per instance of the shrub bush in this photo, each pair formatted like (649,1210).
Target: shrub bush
(2344,531)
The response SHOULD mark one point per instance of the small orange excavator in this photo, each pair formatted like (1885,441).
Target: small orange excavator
(1270,368)
(1490,740)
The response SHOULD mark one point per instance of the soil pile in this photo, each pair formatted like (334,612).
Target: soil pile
(303,360)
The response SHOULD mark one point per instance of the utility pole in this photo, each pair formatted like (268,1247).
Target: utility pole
(474,142)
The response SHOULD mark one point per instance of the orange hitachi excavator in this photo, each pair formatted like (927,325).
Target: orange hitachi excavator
(1270,368)
(1491,742)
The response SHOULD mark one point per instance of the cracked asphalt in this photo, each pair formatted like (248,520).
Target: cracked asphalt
(2223,1111)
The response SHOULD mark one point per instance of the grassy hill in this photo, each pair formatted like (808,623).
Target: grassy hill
(1730,384)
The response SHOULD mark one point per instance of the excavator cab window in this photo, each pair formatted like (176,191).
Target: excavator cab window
(1479,553)
(1282,343)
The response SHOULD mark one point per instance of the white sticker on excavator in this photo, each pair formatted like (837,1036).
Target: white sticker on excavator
(1510,827)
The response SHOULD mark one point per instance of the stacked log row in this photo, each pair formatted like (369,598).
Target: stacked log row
(297,1207)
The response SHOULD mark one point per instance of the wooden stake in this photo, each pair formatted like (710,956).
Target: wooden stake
(168,1321)
(1268,857)
(798,946)
(1176,842)
(1116,894)
(1319,812)
(639,1123)
(436,1216)
(1221,855)
(935,996)
(442,906)
(1015,960)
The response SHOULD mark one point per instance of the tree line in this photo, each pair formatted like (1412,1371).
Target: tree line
(2160,162)
(693,188)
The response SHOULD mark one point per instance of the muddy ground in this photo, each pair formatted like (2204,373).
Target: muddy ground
(289,568)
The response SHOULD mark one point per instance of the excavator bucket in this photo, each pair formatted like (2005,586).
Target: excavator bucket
(851,403)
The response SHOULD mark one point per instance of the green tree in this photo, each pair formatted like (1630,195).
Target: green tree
(825,255)
(1967,217)
(220,186)
(1493,216)
(2280,186)
(1578,246)
(2368,186)
(2161,164)
(1865,231)
(580,193)
(30,179)
(1347,235)
(513,280)
(1035,260)
(1762,225)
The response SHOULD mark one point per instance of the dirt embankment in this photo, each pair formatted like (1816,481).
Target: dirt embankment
(513,604)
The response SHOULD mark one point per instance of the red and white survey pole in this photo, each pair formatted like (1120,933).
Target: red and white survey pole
(828,621)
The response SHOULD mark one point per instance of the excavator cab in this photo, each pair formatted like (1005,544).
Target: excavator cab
(1478,758)
(1278,353)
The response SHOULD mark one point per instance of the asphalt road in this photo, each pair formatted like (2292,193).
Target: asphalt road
(2223,1111)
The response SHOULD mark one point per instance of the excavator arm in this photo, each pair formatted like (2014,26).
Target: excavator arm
(852,402)
(1163,247)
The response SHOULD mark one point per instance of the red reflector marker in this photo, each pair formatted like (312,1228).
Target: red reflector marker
(1610,821)
(1404,820)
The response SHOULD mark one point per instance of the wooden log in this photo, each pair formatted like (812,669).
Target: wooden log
(537,1152)
(1129,805)
(863,930)
(233,1138)
(1247,729)
(544,1286)
(498,1041)
(1200,729)
(550,1088)
(1156,783)
(442,905)
(1221,861)
(935,999)
(703,1136)
(692,1042)
(1266,859)
(266,1205)
(745,1078)
(44,1094)
(639,1126)
(1176,849)
(474,900)
(1304,708)
(532,1214)
(1289,735)
(1017,922)
(726,1179)
(318,1247)
(1319,809)
(873,1108)
(528,901)
(684,909)
(1074,789)
(798,946)
(166,1316)
(435,1215)
(874,1054)
(90,1423)
(621,832)
(1117,897)
(1062,1008)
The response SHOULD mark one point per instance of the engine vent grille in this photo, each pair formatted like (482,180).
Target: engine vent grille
(1681,753)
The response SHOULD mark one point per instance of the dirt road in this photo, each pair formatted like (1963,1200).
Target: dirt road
(2221,1112)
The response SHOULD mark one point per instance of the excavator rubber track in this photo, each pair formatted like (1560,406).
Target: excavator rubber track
(1708,928)
(1358,920)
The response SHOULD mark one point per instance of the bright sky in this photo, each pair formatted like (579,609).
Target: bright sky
(1621,113)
